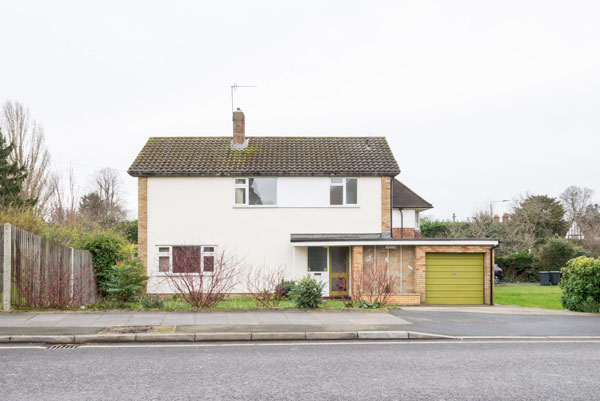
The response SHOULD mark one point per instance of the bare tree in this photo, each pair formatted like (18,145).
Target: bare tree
(62,205)
(575,200)
(108,185)
(30,151)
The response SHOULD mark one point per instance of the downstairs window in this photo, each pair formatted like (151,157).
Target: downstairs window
(194,259)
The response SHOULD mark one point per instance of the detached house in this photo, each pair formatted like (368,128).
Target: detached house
(329,207)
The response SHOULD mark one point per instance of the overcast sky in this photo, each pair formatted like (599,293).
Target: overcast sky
(479,100)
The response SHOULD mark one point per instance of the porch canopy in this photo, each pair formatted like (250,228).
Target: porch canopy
(378,239)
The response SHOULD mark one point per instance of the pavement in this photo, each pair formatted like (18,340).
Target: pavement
(459,322)
(345,370)
(184,322)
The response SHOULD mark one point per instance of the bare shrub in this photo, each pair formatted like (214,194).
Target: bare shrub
(265,285)
(52,284)
(203,289)
(376,285)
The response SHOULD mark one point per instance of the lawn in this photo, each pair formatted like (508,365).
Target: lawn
(547,297)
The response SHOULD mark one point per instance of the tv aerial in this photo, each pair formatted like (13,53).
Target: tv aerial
(236,86)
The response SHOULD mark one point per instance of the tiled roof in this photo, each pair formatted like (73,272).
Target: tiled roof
(404,197)
(279,156)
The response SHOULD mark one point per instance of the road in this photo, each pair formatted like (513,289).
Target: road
(548,370)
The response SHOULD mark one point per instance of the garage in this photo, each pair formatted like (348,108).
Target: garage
(454,278)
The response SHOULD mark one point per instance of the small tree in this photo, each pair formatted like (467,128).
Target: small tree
(556,253)
(307,293)
(203,289)
(376,285)
(265,285)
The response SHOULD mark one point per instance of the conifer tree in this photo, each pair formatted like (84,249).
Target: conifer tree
(11,177)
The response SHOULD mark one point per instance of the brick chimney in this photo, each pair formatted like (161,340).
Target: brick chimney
(239,129)
(496,218)
(505,218)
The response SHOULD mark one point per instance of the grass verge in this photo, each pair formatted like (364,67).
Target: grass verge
(547,297)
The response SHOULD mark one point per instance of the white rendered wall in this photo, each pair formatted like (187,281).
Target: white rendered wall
(200,211)
(408,215)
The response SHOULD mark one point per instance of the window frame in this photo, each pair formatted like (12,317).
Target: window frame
(246,187)
(343,184)
(212,253)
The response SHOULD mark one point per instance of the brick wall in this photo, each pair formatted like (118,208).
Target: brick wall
(405,233)
(420,257)
(386,205)
(356,268)
(143,220)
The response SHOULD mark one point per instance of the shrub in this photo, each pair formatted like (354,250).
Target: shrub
(129,228)
(581,285)
(307,293)
(285,288)
(367,305)
(434,229)
(264,285)
(151,302)
(556,253)
(106,249)
(518,264)
(124,281)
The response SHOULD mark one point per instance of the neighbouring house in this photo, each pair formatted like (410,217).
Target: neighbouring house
(575,231)
(329,207)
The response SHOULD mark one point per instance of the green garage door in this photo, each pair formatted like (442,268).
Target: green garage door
(454,278)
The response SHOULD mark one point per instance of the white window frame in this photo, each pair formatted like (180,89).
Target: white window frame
(245,186)
(213,253)
(343,185)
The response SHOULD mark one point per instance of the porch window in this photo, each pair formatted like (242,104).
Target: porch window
(186,259)
(343,191)
(317,259)
(255,191)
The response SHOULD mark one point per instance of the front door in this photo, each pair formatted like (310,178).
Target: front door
(339,262)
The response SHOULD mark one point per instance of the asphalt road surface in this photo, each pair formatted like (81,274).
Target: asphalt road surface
(297,371)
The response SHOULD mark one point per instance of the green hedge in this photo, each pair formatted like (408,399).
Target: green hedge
(581,285)
(518,265)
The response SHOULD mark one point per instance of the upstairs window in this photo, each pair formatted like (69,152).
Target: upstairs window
(258,191)
(343,191)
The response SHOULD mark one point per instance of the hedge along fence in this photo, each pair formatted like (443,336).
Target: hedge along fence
(38,273)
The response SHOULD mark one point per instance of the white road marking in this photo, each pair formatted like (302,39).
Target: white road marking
(308,343)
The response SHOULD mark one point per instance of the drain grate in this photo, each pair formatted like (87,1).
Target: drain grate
(62,346)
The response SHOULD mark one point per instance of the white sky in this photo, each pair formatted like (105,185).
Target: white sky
(480,101)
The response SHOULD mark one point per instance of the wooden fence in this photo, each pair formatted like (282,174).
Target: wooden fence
(38,273)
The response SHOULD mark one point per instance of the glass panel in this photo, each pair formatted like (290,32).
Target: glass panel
(240,181)
(163,264)
(336,181)
(351,191)
(209,263)
(336,195)
(339,260)
(240,196)
(209,249)
(339,284)
(317,259)
(164,249)
(263,191)
(186,259)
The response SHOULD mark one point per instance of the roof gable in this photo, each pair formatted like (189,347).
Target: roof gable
(404,197)
(275,156)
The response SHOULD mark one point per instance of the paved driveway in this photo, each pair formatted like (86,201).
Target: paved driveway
(484,322)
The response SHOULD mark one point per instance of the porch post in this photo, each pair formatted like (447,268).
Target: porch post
(357,268)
